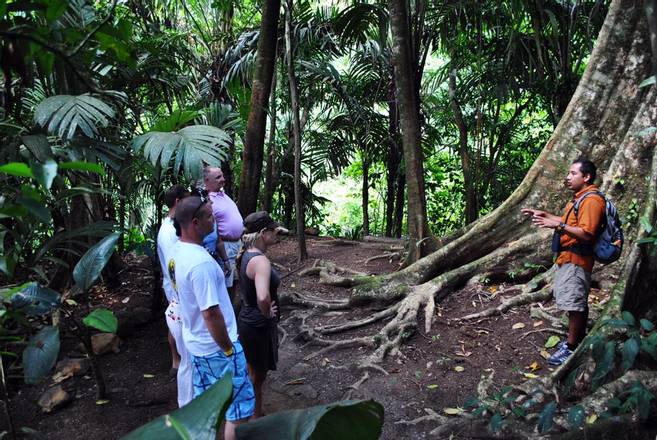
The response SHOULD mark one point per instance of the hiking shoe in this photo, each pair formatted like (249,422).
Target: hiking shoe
(560,356)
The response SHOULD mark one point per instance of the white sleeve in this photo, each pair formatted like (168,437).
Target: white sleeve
(207,283)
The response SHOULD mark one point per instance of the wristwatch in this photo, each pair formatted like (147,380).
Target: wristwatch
(561,227)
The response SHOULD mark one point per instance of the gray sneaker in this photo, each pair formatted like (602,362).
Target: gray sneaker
(560,356)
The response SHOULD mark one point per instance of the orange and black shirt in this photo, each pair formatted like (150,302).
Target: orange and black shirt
(590,216)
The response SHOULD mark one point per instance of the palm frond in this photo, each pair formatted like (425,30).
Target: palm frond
(189,148)
(63,115)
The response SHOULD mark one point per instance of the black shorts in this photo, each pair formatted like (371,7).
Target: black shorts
(260,345)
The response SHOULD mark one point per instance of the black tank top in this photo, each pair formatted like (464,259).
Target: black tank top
(250,313)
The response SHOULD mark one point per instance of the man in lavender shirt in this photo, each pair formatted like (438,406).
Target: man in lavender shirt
(226,239)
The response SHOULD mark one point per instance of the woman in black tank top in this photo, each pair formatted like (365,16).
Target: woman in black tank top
(258,317)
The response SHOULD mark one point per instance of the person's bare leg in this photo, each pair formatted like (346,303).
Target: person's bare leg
(258,379)
(229,428)
(175,357)
(576,327)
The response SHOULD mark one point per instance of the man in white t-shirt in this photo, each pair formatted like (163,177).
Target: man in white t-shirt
(166,239)
(209,325)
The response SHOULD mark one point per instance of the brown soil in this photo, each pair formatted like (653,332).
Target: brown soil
(423,375)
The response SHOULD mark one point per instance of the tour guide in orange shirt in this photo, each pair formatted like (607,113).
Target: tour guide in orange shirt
(574,261)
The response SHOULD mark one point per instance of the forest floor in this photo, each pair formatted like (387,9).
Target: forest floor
(432,371)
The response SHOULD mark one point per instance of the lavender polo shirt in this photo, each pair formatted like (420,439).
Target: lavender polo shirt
(228,217)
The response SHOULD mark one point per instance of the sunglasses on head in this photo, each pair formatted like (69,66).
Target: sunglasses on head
(203,202)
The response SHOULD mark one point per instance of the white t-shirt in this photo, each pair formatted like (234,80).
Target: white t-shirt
(200,285)
(166,239)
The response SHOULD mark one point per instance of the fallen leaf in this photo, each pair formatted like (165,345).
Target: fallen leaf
(538,323)
(462,352)
(530,375)
(433,386)
(459,369)
(71,302)
(293,285)
(591,419)
(125,300)
(518,325)
(552,341)
(453,411)
(149,376)
(544,354)
(101,402)
(534,366)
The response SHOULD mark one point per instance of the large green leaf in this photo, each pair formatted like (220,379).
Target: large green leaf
(604,363)
(19,169)
(34,299)
(63,115)
(350,419)
(102,319)
(40,354)
(546,419)
(197,420)
(630,351)
(82,166)
(189,148)
(93,261)
(177,120)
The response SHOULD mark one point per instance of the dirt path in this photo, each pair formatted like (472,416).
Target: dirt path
(435,371)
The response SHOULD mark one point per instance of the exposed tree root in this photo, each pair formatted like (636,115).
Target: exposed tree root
(596,403)
(338,242)
(509,303)
(332,274)
(356,385)
(309,301)
(484,384)
(332,345)
(544,330)
(388,255)
(538,313)
(336,328)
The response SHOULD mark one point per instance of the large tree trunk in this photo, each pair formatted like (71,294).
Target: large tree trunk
(256,124)
(421,242)
(296,128)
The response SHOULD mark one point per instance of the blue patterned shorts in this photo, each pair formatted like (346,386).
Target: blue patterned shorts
(206,370)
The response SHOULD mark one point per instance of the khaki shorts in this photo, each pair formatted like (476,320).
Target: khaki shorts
(571,287)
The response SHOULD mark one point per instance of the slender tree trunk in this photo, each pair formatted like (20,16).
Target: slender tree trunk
(296,128)
(400,202)
(421,241)
(366,197)
(256,124)
(271,151)
(471,205)
(393,159)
